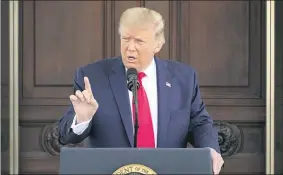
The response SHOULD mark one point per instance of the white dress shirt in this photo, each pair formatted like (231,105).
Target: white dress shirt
(150,85)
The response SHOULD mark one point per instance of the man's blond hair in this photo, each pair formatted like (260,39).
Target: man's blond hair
(140,16)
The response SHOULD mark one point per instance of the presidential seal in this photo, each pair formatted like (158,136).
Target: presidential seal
(134,169)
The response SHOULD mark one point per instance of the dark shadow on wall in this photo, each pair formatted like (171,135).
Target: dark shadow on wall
(5,87)
(278,87)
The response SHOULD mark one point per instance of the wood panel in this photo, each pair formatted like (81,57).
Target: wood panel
(54,45)
(223,44)
(221,40)
(68,37)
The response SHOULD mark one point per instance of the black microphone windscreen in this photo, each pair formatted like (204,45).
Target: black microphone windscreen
(131,72)
(132,75)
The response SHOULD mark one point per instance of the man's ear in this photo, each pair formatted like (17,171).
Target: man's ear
(158,47)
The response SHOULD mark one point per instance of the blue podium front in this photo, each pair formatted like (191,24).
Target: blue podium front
(135,161)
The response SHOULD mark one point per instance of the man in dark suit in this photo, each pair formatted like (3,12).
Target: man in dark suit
(170,105)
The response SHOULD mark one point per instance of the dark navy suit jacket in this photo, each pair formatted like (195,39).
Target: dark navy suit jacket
(181,111)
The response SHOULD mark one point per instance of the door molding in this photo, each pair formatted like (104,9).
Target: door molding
(270,86)
(14,87)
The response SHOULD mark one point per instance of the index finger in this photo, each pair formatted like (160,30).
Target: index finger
(87,84)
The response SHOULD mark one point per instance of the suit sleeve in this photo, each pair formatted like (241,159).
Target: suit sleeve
(201,125)
(66,134)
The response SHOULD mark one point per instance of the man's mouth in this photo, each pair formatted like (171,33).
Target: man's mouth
(131,58)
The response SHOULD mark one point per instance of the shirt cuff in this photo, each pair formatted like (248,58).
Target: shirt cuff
(81,127)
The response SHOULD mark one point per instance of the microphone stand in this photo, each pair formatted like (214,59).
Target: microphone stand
(135,101)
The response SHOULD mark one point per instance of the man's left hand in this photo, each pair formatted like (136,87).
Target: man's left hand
(217,161)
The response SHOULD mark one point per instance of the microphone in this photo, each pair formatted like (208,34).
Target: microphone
(132,77)
(133,85)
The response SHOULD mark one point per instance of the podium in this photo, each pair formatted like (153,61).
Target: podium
(135,161)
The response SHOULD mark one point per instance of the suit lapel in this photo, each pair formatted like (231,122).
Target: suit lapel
(163,88)
(118,84)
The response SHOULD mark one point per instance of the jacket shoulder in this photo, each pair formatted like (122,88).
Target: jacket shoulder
(179,67)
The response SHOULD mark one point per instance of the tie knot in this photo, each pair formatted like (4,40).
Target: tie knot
(140,76)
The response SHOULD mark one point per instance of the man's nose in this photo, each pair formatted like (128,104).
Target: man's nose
(131,46)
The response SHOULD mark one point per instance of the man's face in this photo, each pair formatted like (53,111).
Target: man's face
(138,46)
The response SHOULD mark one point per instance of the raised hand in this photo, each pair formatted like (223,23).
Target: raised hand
(84,103)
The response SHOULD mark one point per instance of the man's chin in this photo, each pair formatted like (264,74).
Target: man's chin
(131,65)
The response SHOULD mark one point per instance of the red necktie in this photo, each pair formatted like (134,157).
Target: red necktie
(145,138)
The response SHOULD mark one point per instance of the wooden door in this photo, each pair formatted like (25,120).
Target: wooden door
(223,40)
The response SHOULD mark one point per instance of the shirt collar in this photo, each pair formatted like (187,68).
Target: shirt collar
(150,70)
